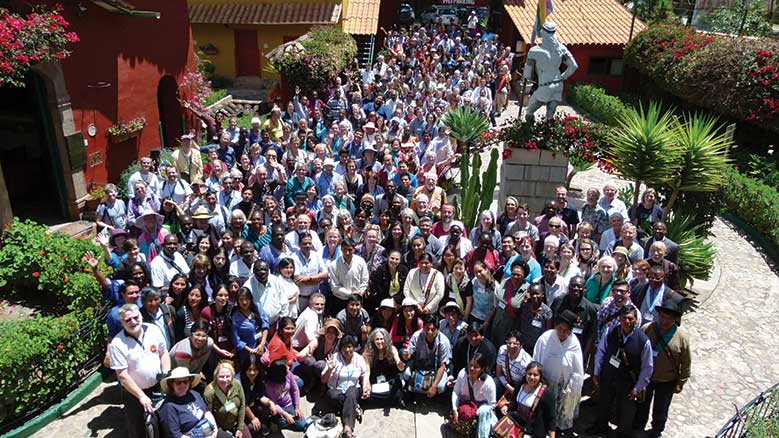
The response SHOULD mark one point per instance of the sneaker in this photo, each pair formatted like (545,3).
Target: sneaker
(359,414)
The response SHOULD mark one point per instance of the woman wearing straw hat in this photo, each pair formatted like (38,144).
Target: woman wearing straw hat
(184,413)
(151,233)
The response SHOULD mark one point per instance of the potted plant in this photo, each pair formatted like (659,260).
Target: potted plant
(123,131)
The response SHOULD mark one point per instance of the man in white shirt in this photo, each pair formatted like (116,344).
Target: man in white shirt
(242,268)
(175,188)
(267,294)
(302,227)
(145,175)
(554,285)
(139,357)
(310,270)
(308,324)
(169,263)
(348,276)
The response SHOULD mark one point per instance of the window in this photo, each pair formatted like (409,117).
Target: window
(605,67)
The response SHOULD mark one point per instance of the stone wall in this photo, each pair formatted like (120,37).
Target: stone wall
(532,177)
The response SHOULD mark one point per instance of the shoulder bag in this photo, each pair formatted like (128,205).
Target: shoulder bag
(508,428)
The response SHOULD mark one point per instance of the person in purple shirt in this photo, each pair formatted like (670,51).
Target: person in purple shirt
(282,389)
(623,367)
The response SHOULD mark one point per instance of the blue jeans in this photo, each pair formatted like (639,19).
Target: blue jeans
(298,426)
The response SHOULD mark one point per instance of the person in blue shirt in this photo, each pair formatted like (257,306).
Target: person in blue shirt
(131,294)
(266,143)
(226,152)
(298,184)
(249,328)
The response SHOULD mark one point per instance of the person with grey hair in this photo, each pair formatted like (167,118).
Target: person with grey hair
(610,203)
(629,240)
(609,236)
(385,367)
(598,286)
(139,356)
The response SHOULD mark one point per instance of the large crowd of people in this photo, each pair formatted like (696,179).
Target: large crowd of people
(318,254)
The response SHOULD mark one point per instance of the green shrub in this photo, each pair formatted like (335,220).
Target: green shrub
(734,76)
(39,358)
(328,51)
(45,269)
(696,256)
(215,96)
(754,202)
(596,103)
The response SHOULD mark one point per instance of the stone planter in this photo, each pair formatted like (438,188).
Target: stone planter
(532,177)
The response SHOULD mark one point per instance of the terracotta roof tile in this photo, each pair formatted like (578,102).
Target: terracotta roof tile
(604,22)
(262,13)
(361,17)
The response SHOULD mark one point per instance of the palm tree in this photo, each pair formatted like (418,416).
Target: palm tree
(642,147)
(466,126)
(703,159)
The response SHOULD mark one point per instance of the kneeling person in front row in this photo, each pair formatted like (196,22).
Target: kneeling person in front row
(428,356)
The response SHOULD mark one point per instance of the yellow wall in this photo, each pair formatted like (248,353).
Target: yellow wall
(222,38)
(268,38)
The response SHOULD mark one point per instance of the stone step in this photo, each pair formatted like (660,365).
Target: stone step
(83,229)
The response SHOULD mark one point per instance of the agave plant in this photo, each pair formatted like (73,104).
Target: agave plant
(696,256)
(466,126)
(703,158)
(642,147)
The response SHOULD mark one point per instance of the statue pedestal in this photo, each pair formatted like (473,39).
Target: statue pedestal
(532,177)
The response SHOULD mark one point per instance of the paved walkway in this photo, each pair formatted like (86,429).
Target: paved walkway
(732,331)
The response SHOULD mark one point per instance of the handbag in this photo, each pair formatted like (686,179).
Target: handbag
(326,427)
(468,411)
(508,428)
(422,380)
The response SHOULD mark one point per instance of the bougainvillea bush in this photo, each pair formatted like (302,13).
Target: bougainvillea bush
(580,141)
(734,76)
(38,36)
(45,269)
(327,52)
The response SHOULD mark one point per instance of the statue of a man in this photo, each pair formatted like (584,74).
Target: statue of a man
(546,59)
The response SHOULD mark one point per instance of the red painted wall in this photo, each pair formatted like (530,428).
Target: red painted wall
(114,71)
(583,53)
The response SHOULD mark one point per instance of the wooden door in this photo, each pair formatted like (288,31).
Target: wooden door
(247,53)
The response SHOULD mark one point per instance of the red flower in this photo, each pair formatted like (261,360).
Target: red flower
(66,279)
(506,154)
(36,274)
(60,347)
(42,253)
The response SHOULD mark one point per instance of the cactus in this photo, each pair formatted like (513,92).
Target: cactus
(490,180)
(475,195)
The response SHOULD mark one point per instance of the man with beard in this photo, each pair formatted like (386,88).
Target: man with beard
(277,249)
(139,357)
(302,228)
(436,195)
(441,228)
